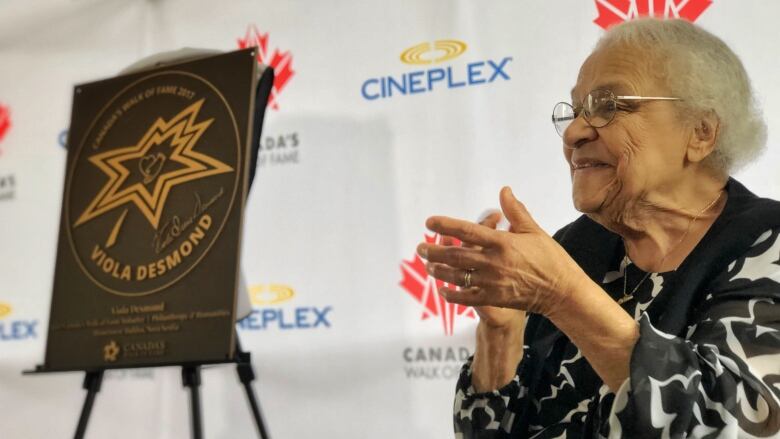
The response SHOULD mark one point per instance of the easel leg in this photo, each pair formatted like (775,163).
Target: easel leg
(92,382)
(247,374)
(190,376)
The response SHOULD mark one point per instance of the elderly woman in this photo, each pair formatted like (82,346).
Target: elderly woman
(656,313)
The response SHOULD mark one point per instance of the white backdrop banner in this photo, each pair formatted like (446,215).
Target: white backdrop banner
(383,113)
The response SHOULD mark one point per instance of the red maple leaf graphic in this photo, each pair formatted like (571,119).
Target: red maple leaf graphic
(617,11)
(280,61)
(425,289)
(5,122)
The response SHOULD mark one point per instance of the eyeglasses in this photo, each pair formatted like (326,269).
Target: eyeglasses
(599,108)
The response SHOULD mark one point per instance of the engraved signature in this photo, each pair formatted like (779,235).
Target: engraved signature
(174,227)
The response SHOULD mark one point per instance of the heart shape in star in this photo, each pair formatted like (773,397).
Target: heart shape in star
(151,165)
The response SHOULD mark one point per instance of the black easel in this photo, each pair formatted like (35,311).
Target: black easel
(92,381)
(190,374)
(246,374)
(190,377)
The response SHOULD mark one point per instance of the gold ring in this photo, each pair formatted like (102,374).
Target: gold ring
(467,279)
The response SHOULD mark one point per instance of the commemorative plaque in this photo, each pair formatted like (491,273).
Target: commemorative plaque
(149,241)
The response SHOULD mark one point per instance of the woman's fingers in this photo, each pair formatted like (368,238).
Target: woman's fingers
(461,277)
(466,231)
(453,276)
(516,213)
(458,257)
(473,296)
(491,218)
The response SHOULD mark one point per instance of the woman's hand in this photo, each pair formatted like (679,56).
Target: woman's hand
(526,269)
(492,316)
(523,269)
(500,333)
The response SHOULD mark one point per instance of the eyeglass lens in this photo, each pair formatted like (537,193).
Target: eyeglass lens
(598,107)
(563,115)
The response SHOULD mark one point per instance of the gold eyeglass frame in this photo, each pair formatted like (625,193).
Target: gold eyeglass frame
(611,96)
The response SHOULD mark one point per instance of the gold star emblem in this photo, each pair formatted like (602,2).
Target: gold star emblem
(183,134)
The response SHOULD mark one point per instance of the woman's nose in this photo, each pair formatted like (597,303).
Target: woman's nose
(578,132)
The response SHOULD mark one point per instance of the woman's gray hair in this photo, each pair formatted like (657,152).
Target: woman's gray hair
(701,69)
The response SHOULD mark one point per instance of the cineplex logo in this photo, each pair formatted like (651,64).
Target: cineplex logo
(15,329)
(280,61)
(444,77)
(617,11)
(425,290)
(271,311)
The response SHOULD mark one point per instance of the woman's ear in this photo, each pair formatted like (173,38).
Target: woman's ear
(705,134)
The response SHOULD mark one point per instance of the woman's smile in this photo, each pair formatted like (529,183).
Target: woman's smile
(589,165)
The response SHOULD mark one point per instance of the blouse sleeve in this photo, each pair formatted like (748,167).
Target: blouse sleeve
(723,378)
(490,415)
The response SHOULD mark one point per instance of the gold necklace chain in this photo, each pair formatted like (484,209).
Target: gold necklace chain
(626,297)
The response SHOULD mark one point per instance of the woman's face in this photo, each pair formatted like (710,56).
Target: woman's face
(640,154)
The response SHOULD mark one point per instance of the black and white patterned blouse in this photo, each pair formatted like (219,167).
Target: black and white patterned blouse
(721,380)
